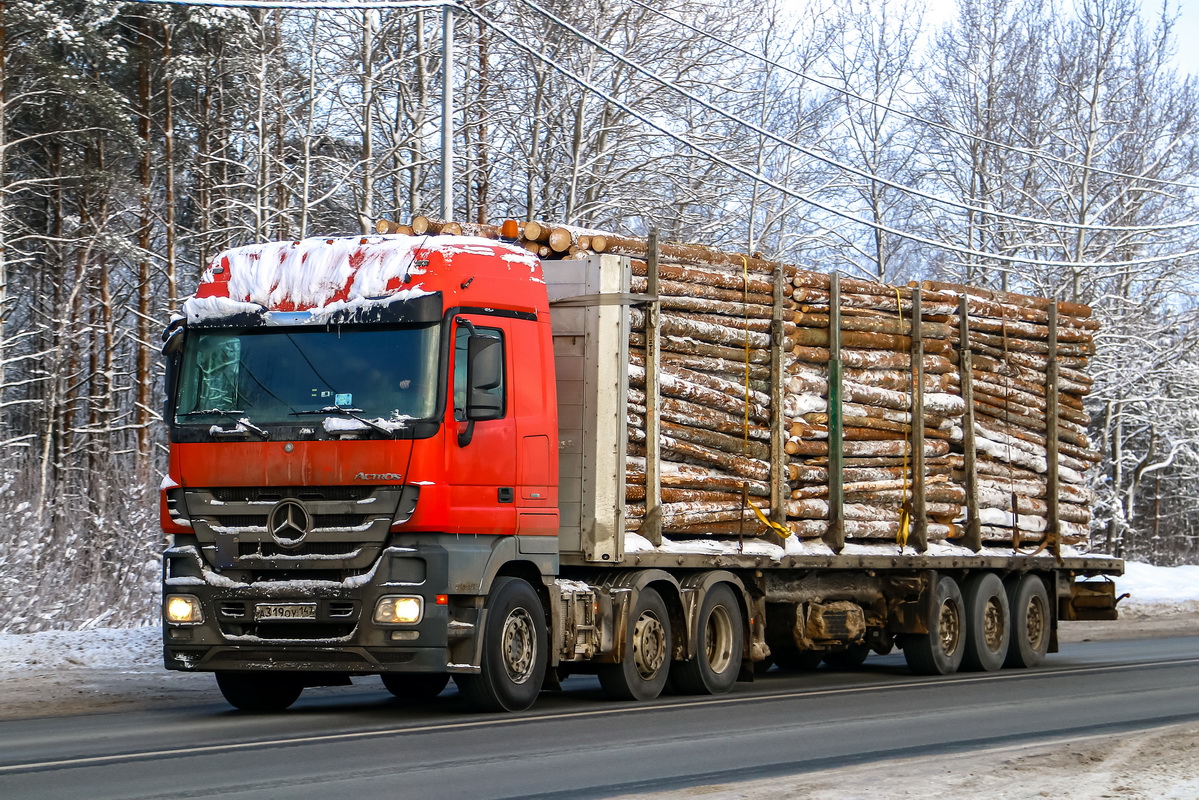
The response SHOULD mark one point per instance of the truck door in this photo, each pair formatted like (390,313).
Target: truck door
(482,472)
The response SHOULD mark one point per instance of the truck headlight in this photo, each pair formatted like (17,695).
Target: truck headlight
(184,609)
(402,609)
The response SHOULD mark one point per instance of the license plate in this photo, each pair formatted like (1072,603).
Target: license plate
(285,611)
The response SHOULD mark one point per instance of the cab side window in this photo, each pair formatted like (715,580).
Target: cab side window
(461,336)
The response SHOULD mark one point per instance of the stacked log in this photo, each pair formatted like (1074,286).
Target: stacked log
(877,459)
(959,411)
(1023,368)
(713,381)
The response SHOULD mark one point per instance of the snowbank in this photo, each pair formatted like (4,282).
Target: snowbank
(139,648)
(1150,585)
(100,648)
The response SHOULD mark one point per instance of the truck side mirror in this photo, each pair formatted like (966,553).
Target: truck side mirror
(484,372)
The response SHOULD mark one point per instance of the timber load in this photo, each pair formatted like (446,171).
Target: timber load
(770,401)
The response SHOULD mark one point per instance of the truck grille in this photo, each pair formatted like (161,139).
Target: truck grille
(273,494)
(346,526)
(270,549)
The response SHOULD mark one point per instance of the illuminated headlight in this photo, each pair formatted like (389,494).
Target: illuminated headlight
(184,609)
(394,609)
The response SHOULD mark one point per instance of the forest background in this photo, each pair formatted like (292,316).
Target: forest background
(1028,145)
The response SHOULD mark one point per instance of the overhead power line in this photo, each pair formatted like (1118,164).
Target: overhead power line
(754,175)
(861,173)
(305,5)
(1031,153)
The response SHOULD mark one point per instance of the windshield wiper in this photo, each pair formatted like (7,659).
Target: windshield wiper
(349,412)
(242,421)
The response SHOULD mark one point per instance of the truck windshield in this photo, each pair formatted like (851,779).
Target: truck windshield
(278,375)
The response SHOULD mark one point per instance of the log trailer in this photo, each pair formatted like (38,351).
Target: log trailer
(407,455)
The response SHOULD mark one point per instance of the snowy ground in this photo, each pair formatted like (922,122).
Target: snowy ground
(57,673)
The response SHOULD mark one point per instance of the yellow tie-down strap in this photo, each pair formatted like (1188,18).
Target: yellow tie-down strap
(781,530)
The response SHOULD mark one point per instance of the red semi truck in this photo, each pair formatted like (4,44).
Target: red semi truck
(406,456)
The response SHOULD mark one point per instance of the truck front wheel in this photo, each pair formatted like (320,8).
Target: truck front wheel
(515,645)
(939,652)
(642,672)
(718,645)
(259,691)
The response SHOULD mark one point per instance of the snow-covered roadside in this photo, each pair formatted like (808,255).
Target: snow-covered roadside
(1157,764)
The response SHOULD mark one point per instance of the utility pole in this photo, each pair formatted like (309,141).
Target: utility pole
(447,112)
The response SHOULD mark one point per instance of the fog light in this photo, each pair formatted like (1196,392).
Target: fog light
(405,610)
(184,609)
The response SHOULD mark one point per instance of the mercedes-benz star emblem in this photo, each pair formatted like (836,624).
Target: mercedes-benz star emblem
(289,523)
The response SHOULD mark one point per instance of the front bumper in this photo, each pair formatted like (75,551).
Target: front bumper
(339,636)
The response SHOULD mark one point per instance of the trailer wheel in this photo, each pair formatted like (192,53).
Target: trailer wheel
(646,664)
(415,687)
(512,667)
(939,652)
(1031,622)
(718,645)
(259,692)
(851,657)
(988,623)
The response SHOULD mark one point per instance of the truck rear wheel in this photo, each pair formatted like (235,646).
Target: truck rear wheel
(988,623)
(939,652)
(642,672)
(718,644)
(512,667)
(415,686)
(1031,622)
(259,691)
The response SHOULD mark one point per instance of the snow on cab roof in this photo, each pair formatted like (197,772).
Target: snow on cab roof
(323,273)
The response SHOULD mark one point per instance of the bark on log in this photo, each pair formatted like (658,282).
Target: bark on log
(684,412)
(690,254)
(709,438)
(872,359)
(706,299)
(872,324)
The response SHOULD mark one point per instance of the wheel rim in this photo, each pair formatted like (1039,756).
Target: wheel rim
(519,645)
(949,627)
(993,624)
(649,645)
(1035,622)
(719,638)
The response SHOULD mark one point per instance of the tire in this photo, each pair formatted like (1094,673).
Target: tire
(939,652)
(515,645)
(988,623)
(415,687)
(642,673)
(259,692)
(1031,621)
(851,657)
(719,640)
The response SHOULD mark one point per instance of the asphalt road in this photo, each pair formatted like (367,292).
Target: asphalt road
(359,743)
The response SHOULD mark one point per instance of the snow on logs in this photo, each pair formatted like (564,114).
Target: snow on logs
(1001,443)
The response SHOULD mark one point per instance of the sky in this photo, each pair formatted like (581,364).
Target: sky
(1188,37)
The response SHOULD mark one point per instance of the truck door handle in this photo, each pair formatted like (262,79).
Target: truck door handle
(506,494)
